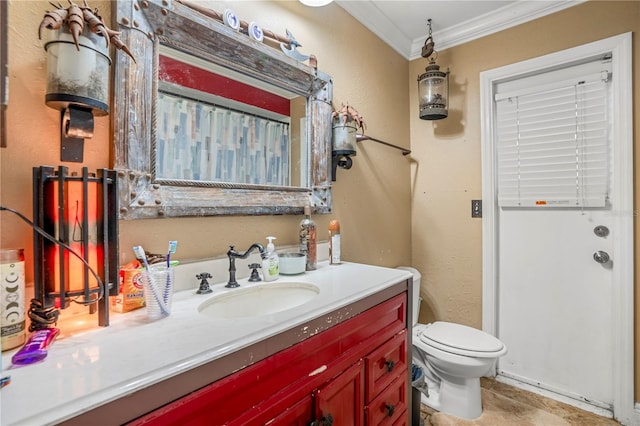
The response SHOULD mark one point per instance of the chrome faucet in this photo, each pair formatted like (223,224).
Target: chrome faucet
(232,254)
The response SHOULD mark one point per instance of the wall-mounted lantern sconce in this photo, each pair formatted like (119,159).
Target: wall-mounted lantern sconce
(77,47)
(433,85)
(80,212)
(344,146)
(77,85)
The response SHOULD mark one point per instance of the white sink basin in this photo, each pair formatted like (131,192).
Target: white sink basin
(258,300)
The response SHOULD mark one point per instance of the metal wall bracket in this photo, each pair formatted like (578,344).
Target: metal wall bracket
(342,161)
(360,138)
(76,124)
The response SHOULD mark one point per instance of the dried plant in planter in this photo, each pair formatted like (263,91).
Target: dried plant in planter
(347,115)
(74,18)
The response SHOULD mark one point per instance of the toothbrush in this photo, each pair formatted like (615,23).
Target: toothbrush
(173,246)
(141,256)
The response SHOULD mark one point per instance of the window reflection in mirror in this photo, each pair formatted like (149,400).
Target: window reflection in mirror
(217,125)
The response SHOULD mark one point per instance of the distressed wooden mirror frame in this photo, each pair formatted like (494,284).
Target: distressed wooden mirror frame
(144,25)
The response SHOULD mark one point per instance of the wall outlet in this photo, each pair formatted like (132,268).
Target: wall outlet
(476,208)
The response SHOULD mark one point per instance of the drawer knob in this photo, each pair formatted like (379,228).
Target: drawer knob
(390,409)
(390,365)
(327,420)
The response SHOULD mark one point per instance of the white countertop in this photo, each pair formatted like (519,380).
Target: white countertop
(86,370)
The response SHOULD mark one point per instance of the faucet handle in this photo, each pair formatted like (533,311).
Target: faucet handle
(204,284)
(254,272)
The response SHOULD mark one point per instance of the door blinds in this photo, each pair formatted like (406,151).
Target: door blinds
(553,144)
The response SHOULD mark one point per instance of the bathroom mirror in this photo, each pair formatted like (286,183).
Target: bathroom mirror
(151,182)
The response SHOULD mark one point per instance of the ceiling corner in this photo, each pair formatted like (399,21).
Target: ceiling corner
(378,23)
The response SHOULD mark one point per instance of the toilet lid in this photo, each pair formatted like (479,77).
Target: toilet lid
(457,336)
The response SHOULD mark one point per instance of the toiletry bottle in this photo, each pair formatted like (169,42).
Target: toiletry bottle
(308,239)
(12,300)
(334,242)
(270,262)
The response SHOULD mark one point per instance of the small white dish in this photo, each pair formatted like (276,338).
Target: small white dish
(292,263)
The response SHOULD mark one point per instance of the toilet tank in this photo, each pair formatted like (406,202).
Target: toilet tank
(416,292)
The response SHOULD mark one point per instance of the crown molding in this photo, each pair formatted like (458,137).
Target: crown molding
(506,17)
(510,15)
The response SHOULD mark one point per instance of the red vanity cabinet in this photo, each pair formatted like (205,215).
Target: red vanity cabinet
(354,372)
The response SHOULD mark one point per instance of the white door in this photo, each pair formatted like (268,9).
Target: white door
(555,301)
(563,310)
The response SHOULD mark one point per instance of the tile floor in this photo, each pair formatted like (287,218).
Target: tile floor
(506,405)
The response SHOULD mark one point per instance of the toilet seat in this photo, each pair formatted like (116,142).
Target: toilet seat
(461,340)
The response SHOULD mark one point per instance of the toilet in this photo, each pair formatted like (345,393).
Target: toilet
(453,358)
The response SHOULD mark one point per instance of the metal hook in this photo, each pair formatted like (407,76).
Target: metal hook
(429,44)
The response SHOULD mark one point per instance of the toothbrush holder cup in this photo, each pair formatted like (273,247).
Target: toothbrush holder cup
(157,283)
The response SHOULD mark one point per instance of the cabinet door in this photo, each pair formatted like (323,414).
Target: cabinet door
(341,400)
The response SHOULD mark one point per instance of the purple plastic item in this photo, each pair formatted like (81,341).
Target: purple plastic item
(36,347)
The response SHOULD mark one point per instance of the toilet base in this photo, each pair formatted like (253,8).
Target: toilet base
(462,398)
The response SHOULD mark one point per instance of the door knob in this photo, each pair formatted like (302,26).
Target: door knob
(601,256)
(601,231)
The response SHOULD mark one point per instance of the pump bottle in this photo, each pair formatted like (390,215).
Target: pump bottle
(270,262)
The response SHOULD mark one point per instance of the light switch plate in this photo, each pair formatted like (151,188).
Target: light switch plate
(476,208)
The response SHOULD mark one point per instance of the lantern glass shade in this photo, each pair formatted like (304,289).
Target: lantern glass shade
(77,75)
(433,92)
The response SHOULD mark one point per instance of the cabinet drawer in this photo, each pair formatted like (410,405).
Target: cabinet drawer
(383,364)
(391,404)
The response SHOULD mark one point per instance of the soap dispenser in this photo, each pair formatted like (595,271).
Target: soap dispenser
(270,262)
